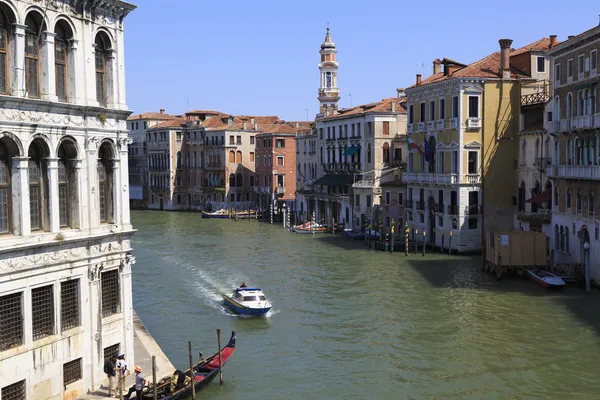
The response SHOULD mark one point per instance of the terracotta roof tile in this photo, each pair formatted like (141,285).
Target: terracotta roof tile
(385,105)
(540,45)
(150,115)
(174,123)
(211,112)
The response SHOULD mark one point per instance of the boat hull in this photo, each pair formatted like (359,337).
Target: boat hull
(208,215)
(241,309)
(354,235)
(549,281)
(308,231)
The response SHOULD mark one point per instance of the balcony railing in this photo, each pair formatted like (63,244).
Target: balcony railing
(473,123)
(280,189)
(421,126)
(452,209)
(537,92)
(580,122)
(408,204)
(440,208)
(420,205)
(441,179)
(430,125)
(364,184)
(473,210)
(541,215)
(583,172)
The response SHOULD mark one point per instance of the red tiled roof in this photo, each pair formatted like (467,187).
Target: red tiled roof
(385,105)
(487,67)
(174,123)
(205,112)
(150,115)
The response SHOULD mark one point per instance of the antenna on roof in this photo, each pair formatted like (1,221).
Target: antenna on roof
(187,104)
(306,109)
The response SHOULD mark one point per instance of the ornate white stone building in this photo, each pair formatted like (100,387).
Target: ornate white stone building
(65,255)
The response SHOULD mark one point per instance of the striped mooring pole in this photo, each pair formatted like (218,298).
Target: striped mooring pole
(406,232)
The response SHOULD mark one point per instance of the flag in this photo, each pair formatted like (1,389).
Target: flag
(427,152)
(412,146)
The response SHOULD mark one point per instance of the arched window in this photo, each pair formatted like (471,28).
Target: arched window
(568,198)
(38,186)
(562,239)
(195,159)
(238,157)
(61,56)
(556,153)
(232,180)
(4,26)
(239,181)
(187,160)
(580,103)
(569,152)
(369,153)
(105,183)
(102,46)
(6,156)
(386,152)
(231,156)
(179,160)
(556,195)
(577,151)
(567,239)
(556,238)
(537,151)
(67,185)
(569,110)
(556,116)
(33,28)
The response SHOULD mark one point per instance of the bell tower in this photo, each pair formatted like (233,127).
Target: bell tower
(329,94)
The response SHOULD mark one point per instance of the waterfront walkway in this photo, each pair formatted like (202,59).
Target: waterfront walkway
(144,348)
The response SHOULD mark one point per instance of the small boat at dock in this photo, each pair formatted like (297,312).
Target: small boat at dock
(248,301)
(217,214)
(309,227)
(545,278)
(178,385)
(350,234)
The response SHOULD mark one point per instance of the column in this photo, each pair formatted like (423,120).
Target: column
(77,216)
(120,72)
(53,197)
(20,199)
(124,187)
(95,322)
(111,80)
(75,88)
(117,192)
(127,305)
(47,69)
(18,81)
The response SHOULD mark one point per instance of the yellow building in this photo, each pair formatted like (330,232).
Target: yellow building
(463,126)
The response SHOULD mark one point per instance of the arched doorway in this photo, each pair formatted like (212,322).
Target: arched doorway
(162,206)
(431,233)
(584,236)
(347,215)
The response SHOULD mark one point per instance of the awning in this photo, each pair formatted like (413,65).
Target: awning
(539,198)
(351,150)
(334,180)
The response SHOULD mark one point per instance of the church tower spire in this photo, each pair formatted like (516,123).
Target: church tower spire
(329,94)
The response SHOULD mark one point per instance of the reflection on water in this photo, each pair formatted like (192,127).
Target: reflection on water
(352,323)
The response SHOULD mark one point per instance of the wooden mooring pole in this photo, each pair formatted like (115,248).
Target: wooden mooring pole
(220,364)
(406,232)
(154,394)
(192,377)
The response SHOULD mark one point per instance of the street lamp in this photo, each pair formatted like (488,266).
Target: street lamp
(586,260)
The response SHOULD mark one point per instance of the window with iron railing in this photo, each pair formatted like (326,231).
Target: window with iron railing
(110,293)
(42,311)
(72,371)
(69,304)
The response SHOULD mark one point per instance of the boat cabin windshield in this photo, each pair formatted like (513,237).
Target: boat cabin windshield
(254,298)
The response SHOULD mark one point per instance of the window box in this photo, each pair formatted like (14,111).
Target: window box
(473,123)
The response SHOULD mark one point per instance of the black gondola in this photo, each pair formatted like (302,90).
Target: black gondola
(178,385)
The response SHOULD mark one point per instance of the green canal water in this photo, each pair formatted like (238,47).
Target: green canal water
(351,323)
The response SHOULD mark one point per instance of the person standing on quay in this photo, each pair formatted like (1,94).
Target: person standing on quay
(109,369)
(121,368)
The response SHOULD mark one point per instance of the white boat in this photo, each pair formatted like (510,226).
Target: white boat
(545,278)
(250,301)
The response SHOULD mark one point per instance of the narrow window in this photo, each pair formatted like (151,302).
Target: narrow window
(386,127)
(110,293)
(5,191)
(32,58)
(594,60)
(280,161)
(422,113)
(72,372)
(69,304)
(442,108)
(473,106)
(570,68)
(455,107)
(251,156)
(557,73)
(432,110)
(11,322)
(472,162)
(105,184)
(42,312)
(38,185)
(3,53)
(411,111)
(541,64)
(101,48)
(388,198)
(60,61)
(580,64)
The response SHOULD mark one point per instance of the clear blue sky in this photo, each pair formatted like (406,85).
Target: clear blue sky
(260,57)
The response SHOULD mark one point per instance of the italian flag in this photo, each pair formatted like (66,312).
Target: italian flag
(412,146)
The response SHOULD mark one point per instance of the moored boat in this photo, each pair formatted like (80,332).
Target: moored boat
(350,234)
(249,301)
(178,385)
(545,278)
(309,227)
(217,214)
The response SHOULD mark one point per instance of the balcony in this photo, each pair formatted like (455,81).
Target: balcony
(473,210)
(453,123)
(581,172)
(473,123)
(586,122)
(441,179)
(452,209)
(439,208)
(409,128)
(421,126)
(408,204)
(364,184)
(430,125)
(543,216)
(280,190)
(440,124)
(420,205)
(543,162)
(535,92)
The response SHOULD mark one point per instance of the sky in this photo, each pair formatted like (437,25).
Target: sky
(261,57)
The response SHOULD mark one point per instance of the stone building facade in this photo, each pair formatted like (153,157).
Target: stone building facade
(575,170)
(65,253)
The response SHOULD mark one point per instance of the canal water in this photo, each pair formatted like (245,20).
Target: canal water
(352,323)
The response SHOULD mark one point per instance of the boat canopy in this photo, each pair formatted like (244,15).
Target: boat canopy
(247,289)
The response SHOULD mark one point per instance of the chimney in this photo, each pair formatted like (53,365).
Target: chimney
(255,125)
(552,41)
(418,79)
(297,124)
(393,106)
(437,66)
(505,57)
(244,126)
(400,92)
(229,120)
(162,110)
(251,120)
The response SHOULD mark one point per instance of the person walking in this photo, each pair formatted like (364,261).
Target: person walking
(110,371)
(121,367)
(140,382)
